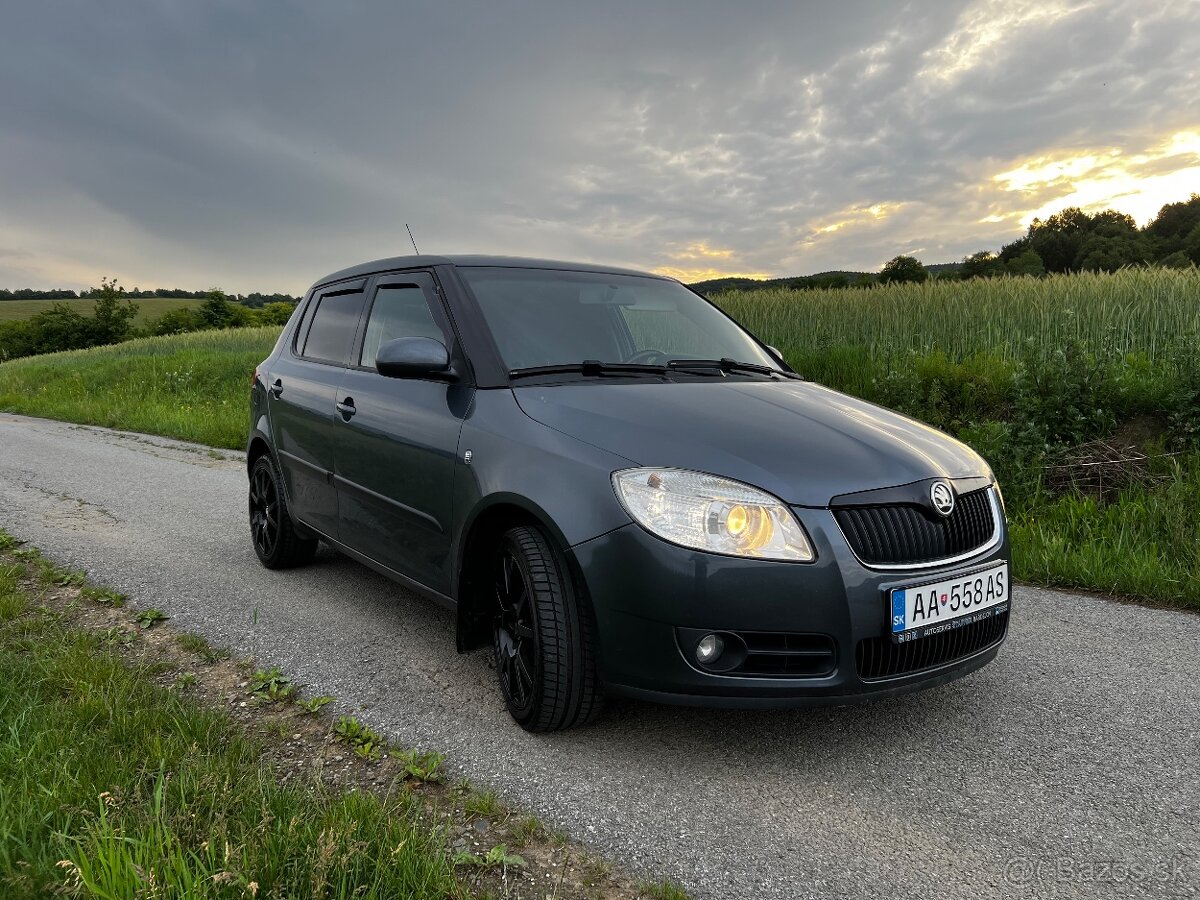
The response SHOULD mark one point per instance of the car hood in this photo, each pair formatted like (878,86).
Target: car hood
(803,442)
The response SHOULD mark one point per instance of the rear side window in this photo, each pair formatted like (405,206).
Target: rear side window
(399,310)
(333,326)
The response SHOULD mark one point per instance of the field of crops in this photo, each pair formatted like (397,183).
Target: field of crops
(148,307)
(846,337)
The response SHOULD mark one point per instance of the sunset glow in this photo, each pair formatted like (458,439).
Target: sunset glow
(1137,183)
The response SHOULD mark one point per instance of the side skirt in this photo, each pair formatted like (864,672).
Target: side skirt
(415,586)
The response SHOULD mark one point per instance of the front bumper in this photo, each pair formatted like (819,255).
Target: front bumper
(647,593)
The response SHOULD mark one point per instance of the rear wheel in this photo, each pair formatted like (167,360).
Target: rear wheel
(276,541)
(543,637)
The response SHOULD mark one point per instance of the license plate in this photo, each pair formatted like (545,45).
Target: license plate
(935,607)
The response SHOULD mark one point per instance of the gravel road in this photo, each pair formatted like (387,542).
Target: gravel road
(1070,767)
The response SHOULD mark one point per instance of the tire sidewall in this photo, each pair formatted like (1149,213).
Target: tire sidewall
(524,717)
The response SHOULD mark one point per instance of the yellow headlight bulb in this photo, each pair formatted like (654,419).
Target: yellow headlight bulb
(749,526)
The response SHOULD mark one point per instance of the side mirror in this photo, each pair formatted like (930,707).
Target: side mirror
(413,357)
(775,352)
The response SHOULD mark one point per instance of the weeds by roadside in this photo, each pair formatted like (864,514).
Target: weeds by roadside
(146,769)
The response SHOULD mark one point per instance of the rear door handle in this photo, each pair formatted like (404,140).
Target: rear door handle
(276,389)
(346,408)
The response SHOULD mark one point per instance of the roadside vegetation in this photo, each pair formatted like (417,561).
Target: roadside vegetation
(194,387)
(139,761)
(50,326)
(1082,391)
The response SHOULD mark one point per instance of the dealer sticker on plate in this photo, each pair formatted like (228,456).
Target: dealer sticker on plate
(939,606)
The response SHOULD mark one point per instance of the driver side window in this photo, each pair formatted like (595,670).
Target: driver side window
(399,310)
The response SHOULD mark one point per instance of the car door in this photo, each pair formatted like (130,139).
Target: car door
(397,439)
(301,388)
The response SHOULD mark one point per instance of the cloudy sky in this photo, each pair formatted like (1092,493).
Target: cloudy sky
(258,146)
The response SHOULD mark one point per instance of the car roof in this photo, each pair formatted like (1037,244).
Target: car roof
(474,260)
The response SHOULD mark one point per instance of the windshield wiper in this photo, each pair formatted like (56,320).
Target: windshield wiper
(727,365)
(589,367)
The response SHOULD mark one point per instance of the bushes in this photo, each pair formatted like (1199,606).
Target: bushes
(219,312)
(62,328)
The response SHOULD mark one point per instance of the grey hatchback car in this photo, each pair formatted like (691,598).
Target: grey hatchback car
(620,490)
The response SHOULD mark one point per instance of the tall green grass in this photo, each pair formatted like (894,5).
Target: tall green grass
(1153,310)
(1021,368)
(192,386)
(846,337)
(114,786)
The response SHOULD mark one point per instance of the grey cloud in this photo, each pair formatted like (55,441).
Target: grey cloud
(259,146)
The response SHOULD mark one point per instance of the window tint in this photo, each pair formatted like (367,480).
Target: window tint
(333,327)
(399,310)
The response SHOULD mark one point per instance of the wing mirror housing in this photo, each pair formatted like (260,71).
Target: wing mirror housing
(414,357)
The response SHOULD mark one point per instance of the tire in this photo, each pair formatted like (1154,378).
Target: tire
(272,531)
(543,637)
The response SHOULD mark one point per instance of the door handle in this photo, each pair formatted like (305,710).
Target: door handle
(346,408)
(276,389)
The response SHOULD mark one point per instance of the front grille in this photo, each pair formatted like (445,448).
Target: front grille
(787,655)
(880,658)
(906,534)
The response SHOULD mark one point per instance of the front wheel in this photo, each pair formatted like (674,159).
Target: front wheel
(543,637)
(276,541)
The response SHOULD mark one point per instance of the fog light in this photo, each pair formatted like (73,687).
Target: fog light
(709,648)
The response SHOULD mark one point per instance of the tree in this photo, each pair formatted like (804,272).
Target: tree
(176,321)
(1107,253)
(1171,227)
(61,328)
(1177,260)
(275,313)
(1058,239)
(1191,245)
(984,264)
(112,313)
(903,268)
(1027,263)
(216,311)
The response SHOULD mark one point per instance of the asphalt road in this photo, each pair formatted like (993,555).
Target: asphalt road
(1070,767)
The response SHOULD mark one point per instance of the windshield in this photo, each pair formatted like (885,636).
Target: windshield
(542,317)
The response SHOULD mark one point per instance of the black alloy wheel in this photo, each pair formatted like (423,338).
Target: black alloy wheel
(276,541)
(516,640)
(542,637)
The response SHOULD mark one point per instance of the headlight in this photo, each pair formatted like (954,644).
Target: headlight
(709,513)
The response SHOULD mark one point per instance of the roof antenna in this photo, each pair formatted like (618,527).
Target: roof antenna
(411,238)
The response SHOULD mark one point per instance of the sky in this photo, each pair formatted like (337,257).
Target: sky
(260,146)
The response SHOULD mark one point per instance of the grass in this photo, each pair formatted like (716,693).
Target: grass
(193,387)
(847,337)
(1145,545)
(124,772)
(116,786)
(148,307)
(1020,368)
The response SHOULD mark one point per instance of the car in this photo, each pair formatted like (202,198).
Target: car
(621,490)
